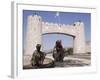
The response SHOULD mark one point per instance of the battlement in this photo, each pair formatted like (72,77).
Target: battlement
(76,24)
(55,24)
(63,25)
(35,18)
(49,24)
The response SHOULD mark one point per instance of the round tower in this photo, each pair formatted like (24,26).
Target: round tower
(79,40)
(34,32)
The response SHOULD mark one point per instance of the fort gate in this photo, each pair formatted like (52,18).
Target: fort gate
(36,28)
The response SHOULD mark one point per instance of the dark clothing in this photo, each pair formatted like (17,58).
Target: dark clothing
(58,55)
(37,58)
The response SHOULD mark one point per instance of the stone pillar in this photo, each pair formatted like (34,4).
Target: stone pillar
(34,32)
(79,39)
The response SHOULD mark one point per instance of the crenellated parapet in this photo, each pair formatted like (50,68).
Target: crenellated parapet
(72,29)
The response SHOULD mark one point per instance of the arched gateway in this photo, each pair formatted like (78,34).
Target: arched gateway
(36,28)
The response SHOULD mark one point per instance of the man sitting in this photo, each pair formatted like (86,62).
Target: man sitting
(58,52)
(37,57)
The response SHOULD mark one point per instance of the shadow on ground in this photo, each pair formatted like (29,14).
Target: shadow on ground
(65,63)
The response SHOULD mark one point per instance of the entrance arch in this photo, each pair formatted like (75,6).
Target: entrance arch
(36,28)
(51,38)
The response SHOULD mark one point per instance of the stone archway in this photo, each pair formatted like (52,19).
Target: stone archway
(36,28)
(51,38)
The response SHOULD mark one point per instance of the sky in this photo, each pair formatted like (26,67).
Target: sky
(48,41)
